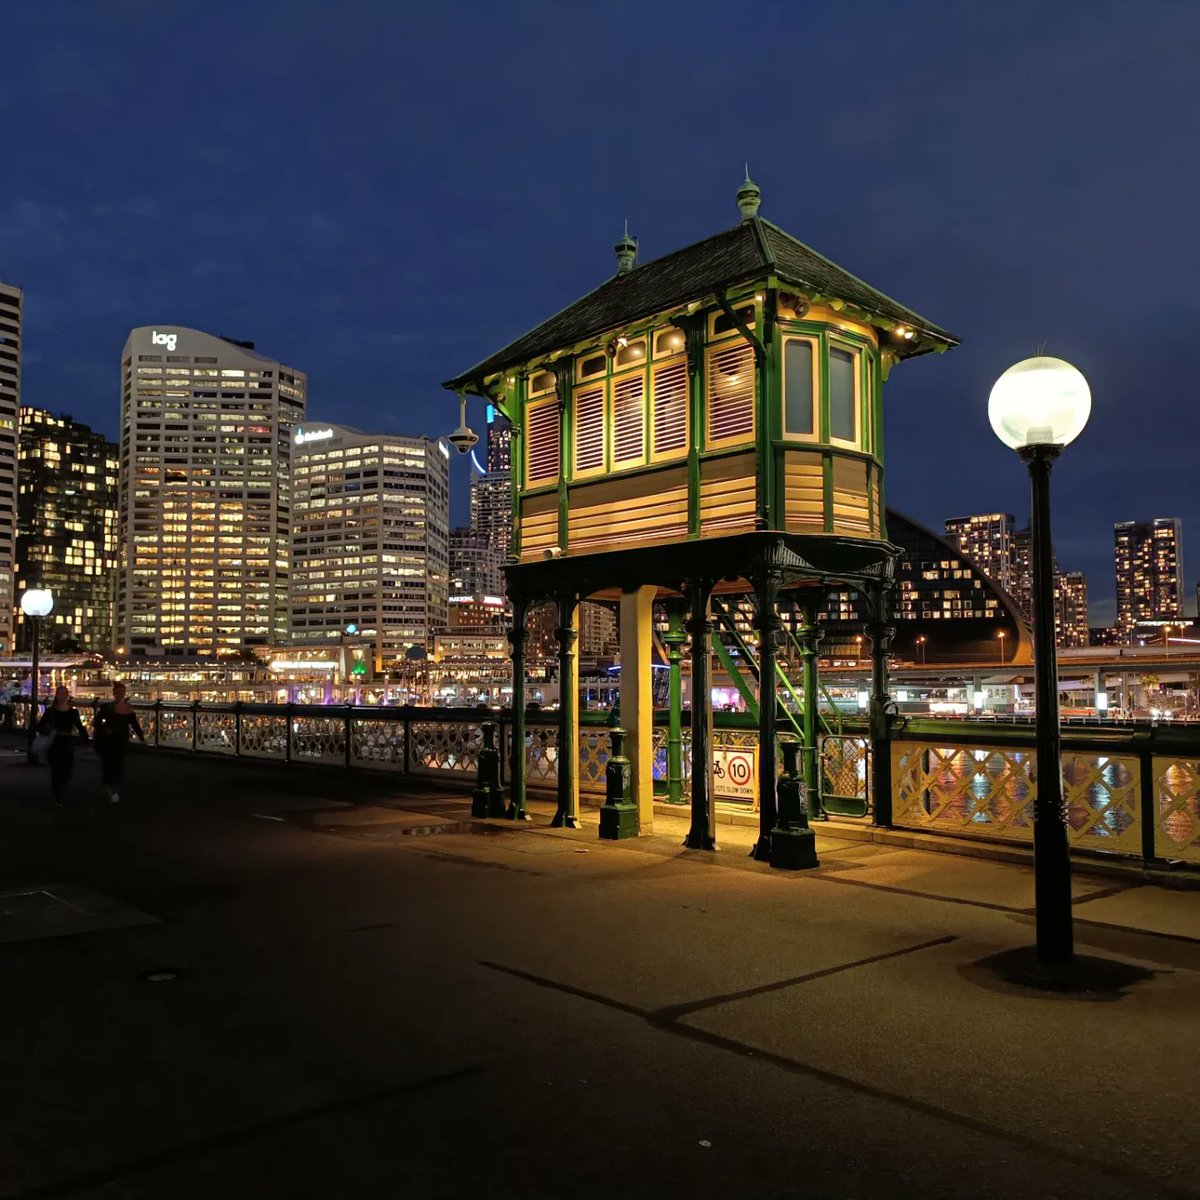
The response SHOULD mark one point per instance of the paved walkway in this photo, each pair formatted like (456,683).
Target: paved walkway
(260,981)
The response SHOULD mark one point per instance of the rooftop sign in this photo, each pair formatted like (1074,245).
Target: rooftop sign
(304,436)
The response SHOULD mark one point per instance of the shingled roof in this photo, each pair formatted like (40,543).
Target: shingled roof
(746,252)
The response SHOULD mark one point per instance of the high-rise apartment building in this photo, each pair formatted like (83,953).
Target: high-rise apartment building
(205,501)
(1149,570)
(11,313)
(987,538)
(474,564)
(1071,609)
(499,441)
(370,533)
(1021,578)
(67,528)
(491,511)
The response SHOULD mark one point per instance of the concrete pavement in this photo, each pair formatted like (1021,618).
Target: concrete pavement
(336,988)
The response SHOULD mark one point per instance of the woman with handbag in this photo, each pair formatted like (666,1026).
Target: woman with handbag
(61,721)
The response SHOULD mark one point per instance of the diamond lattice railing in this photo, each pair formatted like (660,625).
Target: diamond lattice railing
(1177,808)
(594,750)
(1103,796)
(541,755)
(844,766)
(378,744)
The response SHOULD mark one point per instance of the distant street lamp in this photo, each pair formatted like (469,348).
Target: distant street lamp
(921,649)
(1002,635)
(858,640)
(36,603)
(1036,408)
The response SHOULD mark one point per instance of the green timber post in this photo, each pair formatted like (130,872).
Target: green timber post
(516,455)
(766,587)
(770,414)
(877,444)
(567,635)
(674,639)
(823,425)
(882,710)
(693,331)
(702,833)
(563,376)
(516,638)
(808,635)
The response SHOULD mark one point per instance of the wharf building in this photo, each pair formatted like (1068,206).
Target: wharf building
(1148,561)
(11,320)
(67,530)
(370,539)
(205,495)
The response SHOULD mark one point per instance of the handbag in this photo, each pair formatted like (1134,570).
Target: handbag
(41,745)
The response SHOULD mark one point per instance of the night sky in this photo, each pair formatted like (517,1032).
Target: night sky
(383,193)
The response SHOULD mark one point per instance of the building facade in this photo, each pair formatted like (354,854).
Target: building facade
(11,314)
(1148,557)
(491,511)
(205,503)
(1071,609)
(67,529)
(474,564)
(370,538)
(987,538)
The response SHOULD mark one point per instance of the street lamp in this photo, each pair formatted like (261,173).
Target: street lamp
(36,603)
(921,649)
(1002,634)
(858,640)
(1036,408)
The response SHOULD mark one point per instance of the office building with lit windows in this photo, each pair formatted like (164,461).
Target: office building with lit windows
(67,529)
(987,538)
(1071,608)
(11,312)
(1148,557)
(370,538)
(205,501)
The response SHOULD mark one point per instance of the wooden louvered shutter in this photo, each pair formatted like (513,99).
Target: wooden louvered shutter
(670,432)
(730,392)
(541,444)
(629,420)
(589,430)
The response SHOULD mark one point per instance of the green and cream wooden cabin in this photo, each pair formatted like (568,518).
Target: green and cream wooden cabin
(709,421)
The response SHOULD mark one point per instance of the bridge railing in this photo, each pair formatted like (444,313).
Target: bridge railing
(1129,791)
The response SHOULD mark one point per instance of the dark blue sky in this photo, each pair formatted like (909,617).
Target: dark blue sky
(382,193)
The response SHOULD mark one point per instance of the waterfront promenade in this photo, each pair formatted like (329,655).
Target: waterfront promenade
(249,979)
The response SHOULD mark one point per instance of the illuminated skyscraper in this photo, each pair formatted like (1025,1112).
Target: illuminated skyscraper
(474,565)
(1149,569)
(987,538)
(205,500)
(11,310)
(499,441)
(67,528)
(1071,609)
(370,532)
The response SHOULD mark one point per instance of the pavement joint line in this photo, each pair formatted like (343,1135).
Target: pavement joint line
(793,1066)
(674,1011)
(1104,893)
(232,1137)
(900,891)
(1092,923)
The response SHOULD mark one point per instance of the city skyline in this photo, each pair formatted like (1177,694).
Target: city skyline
(345,267)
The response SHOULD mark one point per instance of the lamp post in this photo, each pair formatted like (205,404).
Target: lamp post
(1002,635)
(921,649)
(36,603)
(1036,408)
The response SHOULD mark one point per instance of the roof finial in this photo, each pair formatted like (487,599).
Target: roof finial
(749,197)
(626,248)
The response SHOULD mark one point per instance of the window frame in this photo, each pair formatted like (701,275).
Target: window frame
(591,384)
(677,358)
(813,340)
(860,425)
(548,400)
(715,343)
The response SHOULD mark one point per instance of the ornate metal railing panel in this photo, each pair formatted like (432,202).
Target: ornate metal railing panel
(1103,797)
(216,732)
(846,774)
(541,755)
(446,746)
(594,749)
(318,739)
(175,727)
(1177,808)
(264,735)
(377,744)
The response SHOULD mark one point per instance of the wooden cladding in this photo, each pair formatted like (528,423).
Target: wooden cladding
(727,494)
(634,511)
(804,492)
(539,525)
(851,503)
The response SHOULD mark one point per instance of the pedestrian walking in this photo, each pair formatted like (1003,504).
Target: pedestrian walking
(115,720)
(8,695)
(62,724)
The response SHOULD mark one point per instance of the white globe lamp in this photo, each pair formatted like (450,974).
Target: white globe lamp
(1040,401)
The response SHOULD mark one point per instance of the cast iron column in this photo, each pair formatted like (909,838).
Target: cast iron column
(701,835)
(674,639)
(516,640)
(567,812)
(1051,854)
(767,623)
(808,635)
(34,623)
(881,635)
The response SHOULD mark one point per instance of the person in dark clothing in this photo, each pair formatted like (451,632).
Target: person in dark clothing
(61,719)
(115,720)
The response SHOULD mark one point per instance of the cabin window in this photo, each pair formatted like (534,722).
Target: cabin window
(632,354)
(592,366)
(542,458)
(541,383)
(669,416)
(720,323)
(588,417)
(800,388)
(843,395)
(629,420)
(668,341)
(730,371)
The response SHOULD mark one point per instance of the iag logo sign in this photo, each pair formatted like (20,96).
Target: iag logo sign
(163,339)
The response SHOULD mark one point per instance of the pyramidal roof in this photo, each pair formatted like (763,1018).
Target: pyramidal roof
(739,255)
